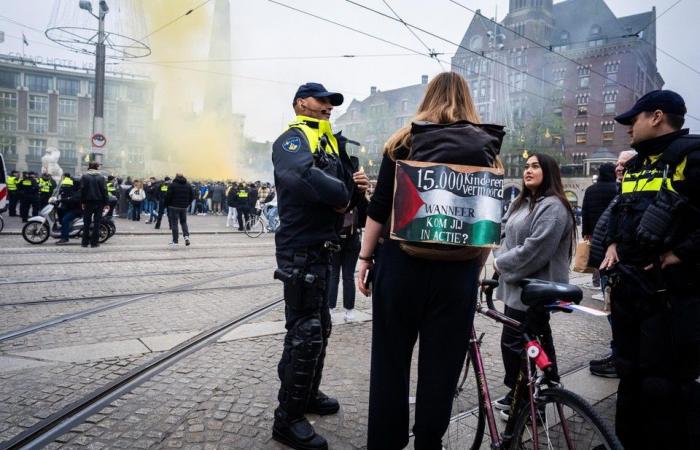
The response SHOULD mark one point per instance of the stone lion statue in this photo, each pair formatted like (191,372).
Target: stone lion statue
(49,163)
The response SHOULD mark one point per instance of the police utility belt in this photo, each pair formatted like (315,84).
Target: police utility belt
(301,288)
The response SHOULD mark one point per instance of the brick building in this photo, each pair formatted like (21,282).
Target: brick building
(50,105)
(564,105)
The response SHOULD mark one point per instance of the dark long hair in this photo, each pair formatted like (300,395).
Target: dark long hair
(551,186)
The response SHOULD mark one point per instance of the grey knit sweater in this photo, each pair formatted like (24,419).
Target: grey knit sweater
(536,244)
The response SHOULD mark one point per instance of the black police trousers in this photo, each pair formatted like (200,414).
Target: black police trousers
(25,202)
(432,302)
(308,324)
(657,338)
(14,199)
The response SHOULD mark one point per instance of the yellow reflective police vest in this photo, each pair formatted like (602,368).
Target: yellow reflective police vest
(44,186)
(650,178)
(68,181)
(11,183)
(110,187)
(313,135)
(242,194)
(163,187)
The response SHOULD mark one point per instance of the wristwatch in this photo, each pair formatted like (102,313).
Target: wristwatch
(367,258)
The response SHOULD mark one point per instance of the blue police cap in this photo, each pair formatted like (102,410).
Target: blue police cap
(318,91)
(664,100)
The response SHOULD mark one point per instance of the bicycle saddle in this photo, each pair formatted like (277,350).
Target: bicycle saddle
(540,292)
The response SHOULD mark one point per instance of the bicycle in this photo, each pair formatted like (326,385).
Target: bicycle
(254,225)
(562,419)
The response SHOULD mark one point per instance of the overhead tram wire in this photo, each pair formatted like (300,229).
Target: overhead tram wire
(495,80)
(280,58)
(190,11)
(658,17)
(539,44)
(430,51)
(479,54)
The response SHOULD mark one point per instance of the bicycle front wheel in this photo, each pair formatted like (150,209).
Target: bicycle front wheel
(564,421)
(255,227)
(468,419)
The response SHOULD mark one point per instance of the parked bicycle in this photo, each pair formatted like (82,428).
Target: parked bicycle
(543,415)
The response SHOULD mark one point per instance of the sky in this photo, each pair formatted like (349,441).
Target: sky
(275,49)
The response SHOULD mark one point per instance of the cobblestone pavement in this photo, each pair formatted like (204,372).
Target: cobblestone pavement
(222,396)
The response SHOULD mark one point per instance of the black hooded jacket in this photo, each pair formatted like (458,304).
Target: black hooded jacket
(597,198)
(179,194)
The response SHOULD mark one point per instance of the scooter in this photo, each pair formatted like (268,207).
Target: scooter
(39,228)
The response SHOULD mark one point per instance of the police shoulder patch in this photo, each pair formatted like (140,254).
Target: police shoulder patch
(292,145)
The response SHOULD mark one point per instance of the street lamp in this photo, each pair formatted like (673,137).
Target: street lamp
(98,119)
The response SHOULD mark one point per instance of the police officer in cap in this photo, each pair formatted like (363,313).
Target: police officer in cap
(315,186)
(29,196)
(12,185)
(652,259)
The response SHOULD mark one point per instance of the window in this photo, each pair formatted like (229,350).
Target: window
(582,104)
(38,125)
(8,122)
(596,42)
(68,86)
(581,129)
(37,83)
(38,104)
(611,78)
(135,154)
(516,81)
(36,148)
(67,127)
(584,71)
(582,99)
(404,105)
(609,99)
(584,82)
(8,100)
(608,128)
(9,79)
(564,36)
(8,145)
(484,112)
(559,74)
(519,58)
(612,66)
(111,91)
(67,149)
(67,107)
(135,94)
(476,42)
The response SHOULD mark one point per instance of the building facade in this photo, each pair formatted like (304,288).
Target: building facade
(561,96)
(50,105)
(373,120)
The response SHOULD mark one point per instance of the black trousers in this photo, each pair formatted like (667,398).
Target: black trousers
(308,328)
(513,346)
(25,202)
(243,216)
(92,219)
(161,211)
(14,200)
(344,261)
(175,215)
(433,300)
(657,339)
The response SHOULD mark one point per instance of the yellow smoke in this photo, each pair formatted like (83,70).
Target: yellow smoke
(200,145)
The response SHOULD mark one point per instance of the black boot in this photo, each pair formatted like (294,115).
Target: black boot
(296,433)
(322,404)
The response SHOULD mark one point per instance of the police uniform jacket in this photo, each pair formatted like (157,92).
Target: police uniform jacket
(312,182)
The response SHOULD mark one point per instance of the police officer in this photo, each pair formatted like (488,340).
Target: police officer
(162,192)
(112,194)
(242,207)
(29,196)
(315,184)
(46,187)
(652,259)
(12,183)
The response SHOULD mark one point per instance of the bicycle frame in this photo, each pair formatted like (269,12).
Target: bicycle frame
(527,380)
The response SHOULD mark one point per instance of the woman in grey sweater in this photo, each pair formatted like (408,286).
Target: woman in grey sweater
(538,236)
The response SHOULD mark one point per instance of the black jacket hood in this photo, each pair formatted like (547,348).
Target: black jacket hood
(180,179)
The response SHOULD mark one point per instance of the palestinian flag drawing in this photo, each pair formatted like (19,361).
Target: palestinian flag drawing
(447,204)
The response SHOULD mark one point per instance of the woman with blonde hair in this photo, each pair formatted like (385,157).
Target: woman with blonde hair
(419,295)
(137,195)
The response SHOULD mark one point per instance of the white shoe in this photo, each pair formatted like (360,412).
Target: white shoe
(171,243)
(187,240)
(349,315)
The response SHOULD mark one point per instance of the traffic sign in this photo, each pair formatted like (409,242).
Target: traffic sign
(99,140)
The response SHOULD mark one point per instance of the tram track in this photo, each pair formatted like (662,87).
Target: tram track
(109,296)
(130,248)
(47,430)
(160,259)
(38,326)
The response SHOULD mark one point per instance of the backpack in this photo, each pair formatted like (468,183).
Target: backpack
(459,143)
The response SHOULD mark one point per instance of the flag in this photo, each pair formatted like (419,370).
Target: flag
(24,39)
